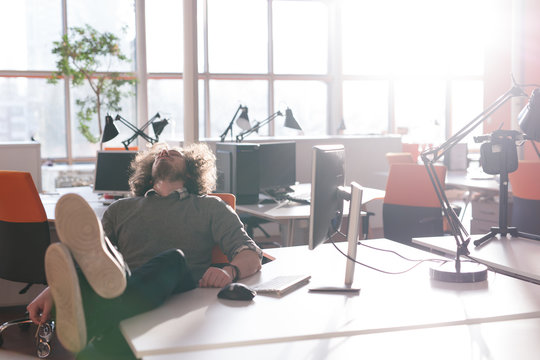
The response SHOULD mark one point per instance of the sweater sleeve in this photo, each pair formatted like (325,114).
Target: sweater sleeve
(228,231)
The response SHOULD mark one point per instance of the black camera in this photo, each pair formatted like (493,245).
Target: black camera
(499,153)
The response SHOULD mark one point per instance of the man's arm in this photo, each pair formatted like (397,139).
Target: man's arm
(39,310)
(246,261)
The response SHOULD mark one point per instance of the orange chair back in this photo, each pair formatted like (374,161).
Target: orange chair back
(24,229)
(19,198)
(411,207)
(409,184)
(526,197)
(524,180)
(217,255)
(400,158)
(414,149)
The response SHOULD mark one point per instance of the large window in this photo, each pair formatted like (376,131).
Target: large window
(351,66)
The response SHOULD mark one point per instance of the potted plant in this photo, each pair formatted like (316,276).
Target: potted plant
(81,54)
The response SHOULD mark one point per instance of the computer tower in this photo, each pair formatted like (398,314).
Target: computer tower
(238,171)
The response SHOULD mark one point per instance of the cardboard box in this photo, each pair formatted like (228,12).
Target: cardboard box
(488,210)
(481,227)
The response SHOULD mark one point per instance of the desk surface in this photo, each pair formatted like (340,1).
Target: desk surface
(502,340)
(198,320)
(517,256)
(290,210)
(465,180)
(49,200)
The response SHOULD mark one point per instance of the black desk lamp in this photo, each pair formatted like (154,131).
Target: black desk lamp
(242,122)
(111,131)
(290,122)
(458,272)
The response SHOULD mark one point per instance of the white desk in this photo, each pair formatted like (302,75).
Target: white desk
(517,256)
(49,200)
(197,320)
(502,340)
(466,181)
(289,212)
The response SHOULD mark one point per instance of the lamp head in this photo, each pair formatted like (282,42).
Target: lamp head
(243,119)
(110,131)
(529,117)
(290,121)
(158,126)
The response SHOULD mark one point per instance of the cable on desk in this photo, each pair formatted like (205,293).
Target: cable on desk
(418,262)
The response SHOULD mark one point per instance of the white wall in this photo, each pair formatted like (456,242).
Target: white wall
(22,156)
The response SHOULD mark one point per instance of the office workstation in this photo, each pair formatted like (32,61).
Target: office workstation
(434,151)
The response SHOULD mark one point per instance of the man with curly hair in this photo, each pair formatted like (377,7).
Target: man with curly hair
(165,233)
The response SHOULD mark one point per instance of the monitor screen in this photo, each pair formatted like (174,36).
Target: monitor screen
(277,165)
(327,174)
(326,212)
(113,172)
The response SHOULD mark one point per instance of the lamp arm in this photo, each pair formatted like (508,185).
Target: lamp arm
(136,130)
(229,128)
(459,232)
(240,137)
(148,138)
(439,151)
(150,121)
(432,155)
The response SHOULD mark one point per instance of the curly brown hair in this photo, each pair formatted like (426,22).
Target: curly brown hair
(200,176)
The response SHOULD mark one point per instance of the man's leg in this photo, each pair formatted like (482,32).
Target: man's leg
(64,285)
(79,228)
(148,287)
(108,296)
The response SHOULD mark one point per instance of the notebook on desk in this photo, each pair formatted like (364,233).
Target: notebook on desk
(281,285)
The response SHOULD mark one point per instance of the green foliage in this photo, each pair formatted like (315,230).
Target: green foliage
(81,53)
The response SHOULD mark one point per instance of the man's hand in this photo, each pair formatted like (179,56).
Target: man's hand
(216,277)
(39,310)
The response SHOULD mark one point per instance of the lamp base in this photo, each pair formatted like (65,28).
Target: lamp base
(469,273)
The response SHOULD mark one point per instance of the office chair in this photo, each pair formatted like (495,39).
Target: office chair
(24,238)
(526,197)
(217,255)
(410,206)
(413,149)
(400,158)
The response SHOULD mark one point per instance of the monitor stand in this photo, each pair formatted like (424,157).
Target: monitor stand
(354,195)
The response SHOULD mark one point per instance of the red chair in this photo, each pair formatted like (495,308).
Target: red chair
(399,158)
(414,149)
(24,238)
(526,197)
(217,255)
(411,207)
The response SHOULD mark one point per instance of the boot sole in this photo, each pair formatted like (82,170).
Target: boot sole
(64,284)
(80,230)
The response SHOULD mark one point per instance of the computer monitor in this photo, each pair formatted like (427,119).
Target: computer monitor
(277,166)
(326,210)
(113,172)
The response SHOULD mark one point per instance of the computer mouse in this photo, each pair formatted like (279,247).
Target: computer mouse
(236,291)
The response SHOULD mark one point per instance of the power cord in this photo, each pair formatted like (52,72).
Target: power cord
(418,262)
